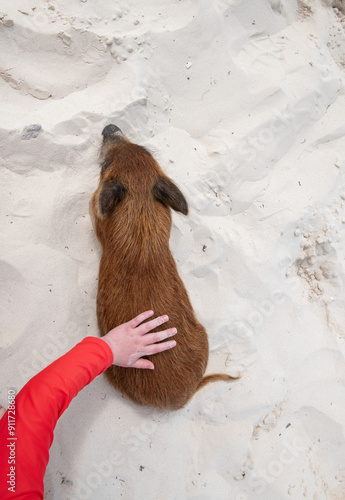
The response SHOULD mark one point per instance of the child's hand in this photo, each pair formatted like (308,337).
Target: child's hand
(130,341)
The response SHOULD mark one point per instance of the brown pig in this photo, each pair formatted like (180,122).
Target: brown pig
(131,210)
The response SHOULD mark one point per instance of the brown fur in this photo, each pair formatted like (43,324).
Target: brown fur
(132,218)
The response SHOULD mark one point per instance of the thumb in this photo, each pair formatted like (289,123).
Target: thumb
(143,363)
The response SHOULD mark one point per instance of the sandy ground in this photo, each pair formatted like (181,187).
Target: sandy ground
(243,105)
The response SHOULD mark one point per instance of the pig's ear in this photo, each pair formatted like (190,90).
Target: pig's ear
(167,193)
(113,191)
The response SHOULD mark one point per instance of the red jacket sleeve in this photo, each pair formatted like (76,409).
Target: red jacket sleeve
(24,456)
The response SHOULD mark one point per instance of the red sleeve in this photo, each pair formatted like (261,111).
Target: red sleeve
(24,456)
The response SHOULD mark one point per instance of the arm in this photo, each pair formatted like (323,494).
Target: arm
(46,396)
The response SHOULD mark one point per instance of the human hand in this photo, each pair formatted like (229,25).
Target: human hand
(132,340)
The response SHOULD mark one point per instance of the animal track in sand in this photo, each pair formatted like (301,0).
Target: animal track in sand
(266,424)
(121,48)
(319,239)
(116,32)
(269,422)
(216,189)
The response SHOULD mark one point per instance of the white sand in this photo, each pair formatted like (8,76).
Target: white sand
(243,104)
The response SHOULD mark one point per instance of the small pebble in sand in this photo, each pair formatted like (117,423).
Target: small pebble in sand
(31,131)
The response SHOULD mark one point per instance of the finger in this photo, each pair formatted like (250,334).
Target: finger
(150,325)
(164,346)
(144,364)
(152,338)
(140,318)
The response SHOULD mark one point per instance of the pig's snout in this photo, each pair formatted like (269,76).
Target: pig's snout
(111,132)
